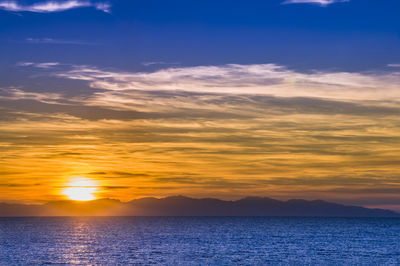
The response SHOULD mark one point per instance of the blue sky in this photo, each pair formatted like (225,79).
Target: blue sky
(350,35)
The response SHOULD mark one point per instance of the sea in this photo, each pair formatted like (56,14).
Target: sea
(199,241)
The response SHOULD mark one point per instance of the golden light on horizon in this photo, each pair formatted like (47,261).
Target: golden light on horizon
(81,189)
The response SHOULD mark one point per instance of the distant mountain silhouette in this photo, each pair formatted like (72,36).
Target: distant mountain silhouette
(184,206)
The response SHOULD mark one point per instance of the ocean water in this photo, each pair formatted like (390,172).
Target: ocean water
(200,241)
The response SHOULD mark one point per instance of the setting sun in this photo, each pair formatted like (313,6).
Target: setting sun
(81,189)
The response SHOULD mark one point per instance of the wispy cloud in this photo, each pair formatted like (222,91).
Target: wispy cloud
(45,65)
(318,2)
(18,94)
(105,7)
(263,79)
(158,63)
(57,41)
(52,6)
(393,65)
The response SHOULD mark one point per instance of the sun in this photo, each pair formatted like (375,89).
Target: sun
(81,189)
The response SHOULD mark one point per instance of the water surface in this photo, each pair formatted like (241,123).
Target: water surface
(199,240)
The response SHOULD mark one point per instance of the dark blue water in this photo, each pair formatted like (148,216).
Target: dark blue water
(199,241)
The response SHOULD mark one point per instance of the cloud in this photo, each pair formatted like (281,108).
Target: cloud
(45,65)
(158,63)
(259,79)
(283,133)
(393,65)
(25,64)
(218,90)
(18,94)
(318,2)
(57,41)
(52,6)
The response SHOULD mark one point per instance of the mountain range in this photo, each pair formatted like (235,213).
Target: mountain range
(185,206)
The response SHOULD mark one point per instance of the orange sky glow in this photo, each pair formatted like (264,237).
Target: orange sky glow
(343,145)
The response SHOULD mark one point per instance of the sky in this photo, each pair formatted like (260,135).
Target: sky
(225,99)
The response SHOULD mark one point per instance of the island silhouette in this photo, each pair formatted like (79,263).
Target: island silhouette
(185,206)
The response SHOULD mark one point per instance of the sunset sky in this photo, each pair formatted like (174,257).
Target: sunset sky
(225,99)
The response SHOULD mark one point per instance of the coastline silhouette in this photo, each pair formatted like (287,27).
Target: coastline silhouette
(185,206)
